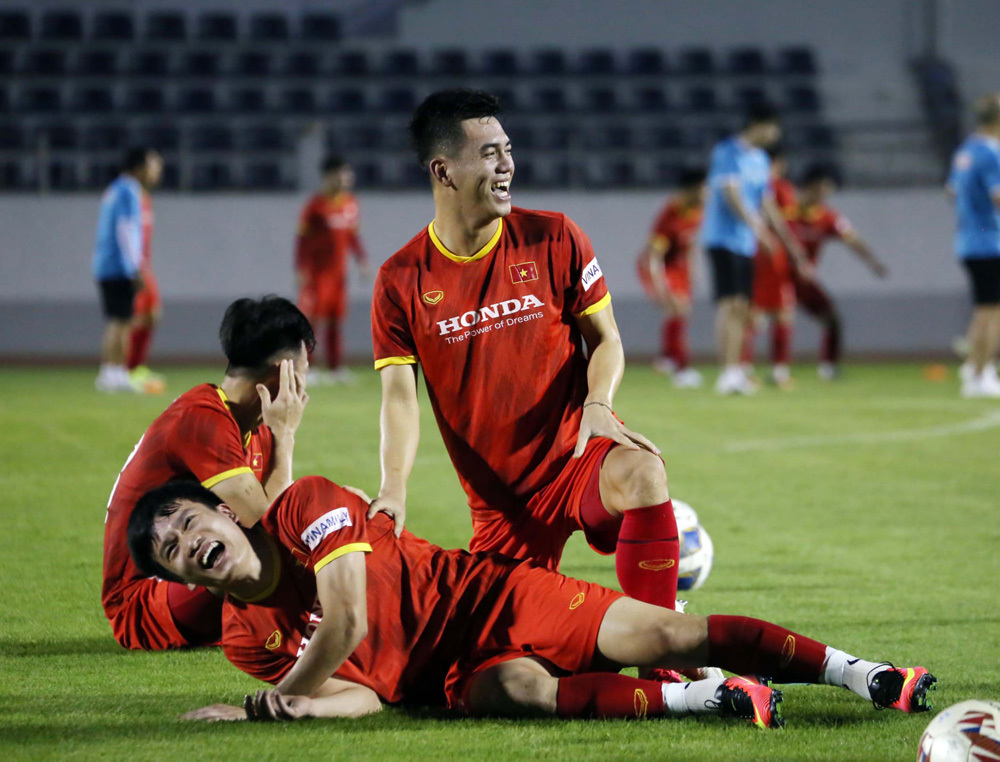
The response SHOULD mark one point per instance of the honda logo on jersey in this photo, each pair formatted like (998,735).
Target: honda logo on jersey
(492,312)
(591,274)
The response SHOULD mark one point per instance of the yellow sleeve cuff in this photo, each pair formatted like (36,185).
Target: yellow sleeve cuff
(660,243)
(407,360)
(209,483)
(596,306)
(343,550)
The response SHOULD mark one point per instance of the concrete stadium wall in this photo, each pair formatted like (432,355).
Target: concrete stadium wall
(209,250)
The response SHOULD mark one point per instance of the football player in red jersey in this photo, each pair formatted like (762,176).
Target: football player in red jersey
(328,231)
(236,439)
(814,224)
(341,614)
(664,269)
(496,303)
(773,289)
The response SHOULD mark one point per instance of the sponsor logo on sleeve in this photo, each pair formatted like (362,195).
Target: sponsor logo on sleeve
(326,525)
(591,274)
(433,297)
(273,641)
(523,272)
(577,600)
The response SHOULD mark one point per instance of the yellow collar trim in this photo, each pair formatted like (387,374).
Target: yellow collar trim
(478,255)
(276,563)
(225,401)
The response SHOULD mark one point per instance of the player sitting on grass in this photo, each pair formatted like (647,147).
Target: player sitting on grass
(341,615)
(236,439)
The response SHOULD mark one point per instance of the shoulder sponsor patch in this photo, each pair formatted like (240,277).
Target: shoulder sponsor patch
(591,274)
(325,525)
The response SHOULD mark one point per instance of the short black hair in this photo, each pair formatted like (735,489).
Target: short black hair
(253,330)
(818,172)
(333,163)
(691,177)
(758,113)
(777,151)
(135,157)
(157,503)
(436,124)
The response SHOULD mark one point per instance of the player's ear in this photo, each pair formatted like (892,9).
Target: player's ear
(225,510)
(439,172)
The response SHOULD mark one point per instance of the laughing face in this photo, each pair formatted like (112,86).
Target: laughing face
(204,546)
(482,172)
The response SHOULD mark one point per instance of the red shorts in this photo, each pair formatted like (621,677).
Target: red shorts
(324,295)
(675,276)
(147,301)
(773,289)
(142,621)
(540,613)
(551,515)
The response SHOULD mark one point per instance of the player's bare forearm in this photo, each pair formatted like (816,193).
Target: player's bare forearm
(864,252)
(654,264)
(400,428)
(733,198)
(280,477)
(779,224)
(354,701)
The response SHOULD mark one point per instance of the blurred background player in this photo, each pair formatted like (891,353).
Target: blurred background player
(118,260)
(975,184)
(328,231)
(664,269)
(813,224)
(773,289)
(739,214)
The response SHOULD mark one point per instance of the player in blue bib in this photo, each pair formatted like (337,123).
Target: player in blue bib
(974,183)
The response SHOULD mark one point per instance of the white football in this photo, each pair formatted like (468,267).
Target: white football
(965,732)
(696,551)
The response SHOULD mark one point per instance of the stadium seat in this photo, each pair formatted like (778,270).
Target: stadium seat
(522,137)
(798,61)
(749,95)
(113,25)
(60,137)
(412,175)
(151,64)
(11,137)
(100,174)
(499,63)
(610,137)
(217,27)
(550,99)
(359,137)
(263,175)
(814,137)
(353,63)
(549,63)
(401,63)
(145,100)
(556,137)
(302,65)
(10,176)
(248,100)
(163,137)
(47,63)
(166,26)
(451,63)
(747,62)
(252,64)
(201,63)
(15,25)
(93,100)
(269,27)
(40,100)
(211,176)
(617,173)
(596,63)
(647,62)
(508,98)
(696,61)
(211,137)
(666,173)
(702,100)
(61,25)
(6,63)
(666,137)
(801,99)
(367,174)
(4,100)
(171,177)
(346,100)
(298,100)
(262,137)
(104,137)
(62,175)
(320,27)
(197,100)
(600,100)
(98,63)
(399,100)
(651,99)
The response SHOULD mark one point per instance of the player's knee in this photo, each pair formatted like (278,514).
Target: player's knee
(676,638)
(639,480)
(513,690)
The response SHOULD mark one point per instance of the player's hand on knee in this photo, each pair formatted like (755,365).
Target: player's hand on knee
(284,413)
(391,506)
(270,705)
(599,421)
(216,713)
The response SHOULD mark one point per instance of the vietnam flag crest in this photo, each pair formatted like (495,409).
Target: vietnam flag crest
(523,272)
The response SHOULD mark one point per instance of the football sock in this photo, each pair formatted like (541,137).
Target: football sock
(697,697)
(605,694)
(138,346)
(781,339)
(749,338)
(750,646)
(680,354)
(647,554)
(667,339)
(333,344)
(830,351)
(849,672)
(197,613)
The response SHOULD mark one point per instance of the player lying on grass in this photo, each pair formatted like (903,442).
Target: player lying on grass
(341,615)
(236,439)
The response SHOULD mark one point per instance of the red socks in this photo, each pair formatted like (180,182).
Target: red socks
(138,346)
(647,554)
(749,646)
(675,344)
(749,337)
(333,344)
(607,695)
(830,351)
(781,341)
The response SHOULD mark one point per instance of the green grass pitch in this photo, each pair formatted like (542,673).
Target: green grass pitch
(862,513)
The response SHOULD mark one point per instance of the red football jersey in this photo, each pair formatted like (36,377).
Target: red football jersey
(816,224)
(674,232)
(501,352)
(328,230)
(196,437)
(147,231)
(426,606)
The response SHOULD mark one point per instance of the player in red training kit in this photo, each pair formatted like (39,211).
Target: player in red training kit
(814,224)
(495,303)
(147,305)
(773,288)
(341,614)
(329,231)
(213,434)
(664,269)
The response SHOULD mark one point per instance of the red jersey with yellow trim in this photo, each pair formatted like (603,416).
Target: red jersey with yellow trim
(675,231)
(426,606)
(814,225)
(501,352)
(196,437)
(328,230)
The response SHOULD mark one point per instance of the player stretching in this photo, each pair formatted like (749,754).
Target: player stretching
(664,268)
(341,615)
(975,184)
(773,289)
(739,216)
(328,232)
(813,225)
(121,265)
(212,434)
(495,303)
